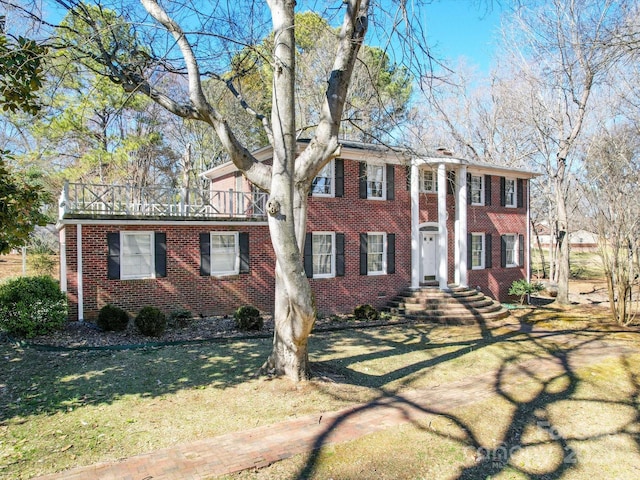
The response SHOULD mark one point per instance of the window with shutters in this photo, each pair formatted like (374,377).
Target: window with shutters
(323,252)
(136,255)
(477,251)
(376,181)
(376,254)
(225,253)
(323,185)
(476,190)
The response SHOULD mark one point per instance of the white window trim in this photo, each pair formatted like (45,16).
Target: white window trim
(482,180)
(333,255)
(482,252)
(332,176)
(384,253)
(514,203)
(384,181)
(515,251)
(236,269)
(138,276)
(434,181)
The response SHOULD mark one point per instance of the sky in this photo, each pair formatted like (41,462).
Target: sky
(463,28)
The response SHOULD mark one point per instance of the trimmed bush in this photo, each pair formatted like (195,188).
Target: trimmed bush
(151,322)
(248,318)
(112,318)
(522,288)
(180,318)
(31,306)
(366,312)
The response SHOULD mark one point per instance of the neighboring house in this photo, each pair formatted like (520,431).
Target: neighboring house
(379,221)
(579,240)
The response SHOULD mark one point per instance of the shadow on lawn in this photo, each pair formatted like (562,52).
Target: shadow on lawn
(37,382)
(548,379)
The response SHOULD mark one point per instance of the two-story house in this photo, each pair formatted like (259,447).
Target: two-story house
(380,221)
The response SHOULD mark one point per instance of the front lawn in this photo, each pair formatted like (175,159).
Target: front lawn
(60,409)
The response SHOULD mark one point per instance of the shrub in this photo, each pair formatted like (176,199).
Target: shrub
(180,318)
(248,318)
(112,318)
(366,312)
(522,288)
(42,263)
(151,322)
(31,306)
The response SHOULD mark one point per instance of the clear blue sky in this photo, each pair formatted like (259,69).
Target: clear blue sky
(463,28)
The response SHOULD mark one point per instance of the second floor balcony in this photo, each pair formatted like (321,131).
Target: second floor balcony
(79,200)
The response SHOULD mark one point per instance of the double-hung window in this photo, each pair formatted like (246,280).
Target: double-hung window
(476,190)
(429,181)
(323,252)
(225,253)
(510,196)
(376,181)
(323,185)
(477,251)
(376,254)
(136,255)
(510,250)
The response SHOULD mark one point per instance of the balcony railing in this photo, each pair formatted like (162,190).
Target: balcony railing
(157,201)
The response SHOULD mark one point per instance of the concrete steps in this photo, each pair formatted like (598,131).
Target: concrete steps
(458,306)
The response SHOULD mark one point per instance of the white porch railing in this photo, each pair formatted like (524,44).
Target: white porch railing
(158,201)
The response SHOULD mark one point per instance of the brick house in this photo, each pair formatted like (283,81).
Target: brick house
(379,221)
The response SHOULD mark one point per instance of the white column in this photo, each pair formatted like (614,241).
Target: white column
(62,237)
(80,286)
(415,228)
(443,255)
(461,277)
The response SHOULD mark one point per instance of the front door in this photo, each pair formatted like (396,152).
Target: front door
(429,253)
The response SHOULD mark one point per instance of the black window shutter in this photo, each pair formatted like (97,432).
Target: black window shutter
(488,263)
(113,259)
(468,189)
(391,253)
(503,195)
(160,240)
(487,189)
(391,182)
(469,252)
(503,251)
(520,193)
(339,254)
(521,250)
(364,249)
(205,254)
(308,254)
(243,245)
(339,173)
(362,179)
(451,181)
(408,177)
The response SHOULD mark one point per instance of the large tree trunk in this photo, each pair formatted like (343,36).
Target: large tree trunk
(563,234)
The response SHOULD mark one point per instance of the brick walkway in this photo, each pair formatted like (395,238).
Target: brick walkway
(259,447)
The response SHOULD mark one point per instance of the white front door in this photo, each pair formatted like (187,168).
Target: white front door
(429,254)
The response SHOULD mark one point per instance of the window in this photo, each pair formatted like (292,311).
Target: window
(510,192)
(512,250)
(476,190)
(376,181)
(136,255)
(323,185)
(477,251)
(224,253)
(429,183)
(376,254)
(323,255)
